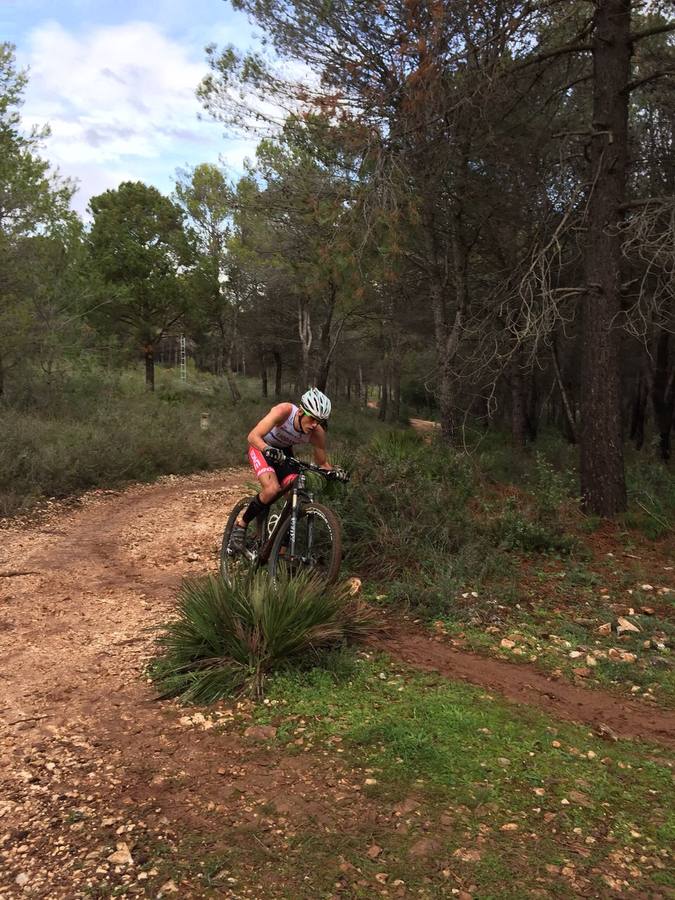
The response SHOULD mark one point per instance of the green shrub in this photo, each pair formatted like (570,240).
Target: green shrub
(98,429)
(227,638)
(651,494)
(406,505)
(514,530)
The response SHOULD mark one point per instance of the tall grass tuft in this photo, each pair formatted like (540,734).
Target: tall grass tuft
(227,638)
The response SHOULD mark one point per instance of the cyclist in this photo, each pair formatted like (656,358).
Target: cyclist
(271,442)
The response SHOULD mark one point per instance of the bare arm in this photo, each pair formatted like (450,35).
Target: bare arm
(275,416)
(318,442)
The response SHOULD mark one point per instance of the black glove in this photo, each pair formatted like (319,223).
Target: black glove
(274,455)
(338,474)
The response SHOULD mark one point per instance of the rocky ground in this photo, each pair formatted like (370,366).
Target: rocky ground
(97,776)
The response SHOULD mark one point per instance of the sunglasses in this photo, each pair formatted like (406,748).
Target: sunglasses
(322,422)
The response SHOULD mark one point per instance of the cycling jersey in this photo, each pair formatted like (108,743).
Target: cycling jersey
(286,434)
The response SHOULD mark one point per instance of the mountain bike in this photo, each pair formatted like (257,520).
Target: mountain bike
(302,536)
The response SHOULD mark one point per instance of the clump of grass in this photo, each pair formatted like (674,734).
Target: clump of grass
(227,638)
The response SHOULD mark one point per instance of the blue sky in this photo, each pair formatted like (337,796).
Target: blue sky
(116,83)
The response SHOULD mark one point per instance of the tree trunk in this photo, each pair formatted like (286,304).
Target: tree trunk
(532,407)
(384,400)
(518,419)
(263,372)
(603,486)
(571,431)
(639,413)
(446,408)
(396,392)
(149,352)
(277,373)
(663,394)
(305,334)
(325,349)
(229,373)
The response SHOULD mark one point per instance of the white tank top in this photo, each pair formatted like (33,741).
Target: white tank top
(286,434)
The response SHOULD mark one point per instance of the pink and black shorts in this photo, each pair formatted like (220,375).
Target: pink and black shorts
(261,467)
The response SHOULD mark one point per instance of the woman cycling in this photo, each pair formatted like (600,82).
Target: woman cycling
(272,441)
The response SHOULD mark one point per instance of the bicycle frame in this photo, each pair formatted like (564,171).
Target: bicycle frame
(292,507)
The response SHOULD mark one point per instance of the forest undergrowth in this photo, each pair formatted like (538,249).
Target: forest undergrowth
(500,559)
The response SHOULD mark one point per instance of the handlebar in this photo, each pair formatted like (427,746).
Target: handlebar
(310,467)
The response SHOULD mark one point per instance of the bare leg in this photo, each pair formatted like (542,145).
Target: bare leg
(269,491)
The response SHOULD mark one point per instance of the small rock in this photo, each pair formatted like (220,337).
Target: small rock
(370,781)
(21,879)
(354,585)
(260,732)
(424,847)
(591,661)
(507,644)
(466,855)
(192,557)
(605,629)
(503,761)
(510,826)
(646,587)
(606,732)
(582,672)
(647,610)
(581,799)
(381,877)
(122,856)
(373,851)
(626,625)
(575,654)
(169,887)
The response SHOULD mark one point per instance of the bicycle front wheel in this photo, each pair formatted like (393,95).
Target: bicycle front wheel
(233,565)
(318,544)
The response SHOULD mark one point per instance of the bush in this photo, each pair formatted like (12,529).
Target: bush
(513,530)
(651,493)
(406,505)
(228,638)
(101,430)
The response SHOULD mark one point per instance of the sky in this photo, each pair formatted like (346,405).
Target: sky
(116,82)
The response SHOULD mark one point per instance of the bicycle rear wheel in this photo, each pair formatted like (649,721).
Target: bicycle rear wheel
(233,565)
(318,544)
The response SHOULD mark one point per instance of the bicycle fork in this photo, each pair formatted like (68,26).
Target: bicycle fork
(299,488)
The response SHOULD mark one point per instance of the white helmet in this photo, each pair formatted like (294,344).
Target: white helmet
(315,404)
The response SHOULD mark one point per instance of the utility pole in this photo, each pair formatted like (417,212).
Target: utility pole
(183,358)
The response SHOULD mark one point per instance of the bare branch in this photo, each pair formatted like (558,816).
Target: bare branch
(664,28)
(632,85)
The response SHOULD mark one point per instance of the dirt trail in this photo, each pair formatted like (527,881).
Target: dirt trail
(90,760)
(522,683)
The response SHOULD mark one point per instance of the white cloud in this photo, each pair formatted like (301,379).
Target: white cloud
(120,101)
